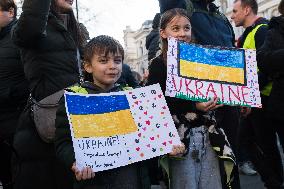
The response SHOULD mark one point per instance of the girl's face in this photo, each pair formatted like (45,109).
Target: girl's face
(64,5)
(106,69)
(179,27)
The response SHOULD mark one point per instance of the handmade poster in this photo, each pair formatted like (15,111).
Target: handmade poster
(116,129)
(200,73)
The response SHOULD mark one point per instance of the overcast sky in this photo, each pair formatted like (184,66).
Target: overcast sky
(111,17)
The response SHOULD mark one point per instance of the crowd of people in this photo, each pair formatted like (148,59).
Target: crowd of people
(46,51)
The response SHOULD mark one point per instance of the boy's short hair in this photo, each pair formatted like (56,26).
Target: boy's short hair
(102,44)
(5,5)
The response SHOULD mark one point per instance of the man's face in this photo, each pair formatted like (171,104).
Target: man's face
(239,14)
(6,17)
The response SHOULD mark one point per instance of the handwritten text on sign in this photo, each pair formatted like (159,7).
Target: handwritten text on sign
(116,129)
(200,73)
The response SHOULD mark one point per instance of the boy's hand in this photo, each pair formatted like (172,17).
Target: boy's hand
(207,106)
(84,174)
(177,150)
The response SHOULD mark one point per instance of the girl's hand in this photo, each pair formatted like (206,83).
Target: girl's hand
(177,150)
(84,174)
(207,106)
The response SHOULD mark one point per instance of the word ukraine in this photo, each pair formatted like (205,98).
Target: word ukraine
(200,73)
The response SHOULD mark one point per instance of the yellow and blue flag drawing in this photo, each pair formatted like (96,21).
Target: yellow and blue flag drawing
(100,116)
(212,63)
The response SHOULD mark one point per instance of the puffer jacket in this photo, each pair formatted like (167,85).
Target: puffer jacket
(13,85)
(48,49)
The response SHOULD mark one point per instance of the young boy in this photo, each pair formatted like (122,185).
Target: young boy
(103,59)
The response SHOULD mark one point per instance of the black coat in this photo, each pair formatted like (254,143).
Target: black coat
(14,88)
(127,78)
(48,50)
(50,64)
(13,85)
(152,43)
(270,59)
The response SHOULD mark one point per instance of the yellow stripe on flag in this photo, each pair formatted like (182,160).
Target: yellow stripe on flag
(103,125)
(210,72)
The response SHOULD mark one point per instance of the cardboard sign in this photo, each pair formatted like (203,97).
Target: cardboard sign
(199,73)
(116,129)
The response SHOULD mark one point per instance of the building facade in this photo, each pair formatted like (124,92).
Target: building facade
(136,54)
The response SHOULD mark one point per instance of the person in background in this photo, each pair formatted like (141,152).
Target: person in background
(127,78)
(153,38)
(48,36)
(253,125)
(270,60)
(14,89)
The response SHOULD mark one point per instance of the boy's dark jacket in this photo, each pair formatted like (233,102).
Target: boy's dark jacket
(65,151)
(270,59)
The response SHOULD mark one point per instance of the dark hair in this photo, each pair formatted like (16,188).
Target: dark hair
(165,19)
(251,3)
(72,25)
(5,5)
(101,44)
(281,7)
(156,21)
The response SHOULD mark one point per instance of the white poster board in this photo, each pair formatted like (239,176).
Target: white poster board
(199,73)
(116,129)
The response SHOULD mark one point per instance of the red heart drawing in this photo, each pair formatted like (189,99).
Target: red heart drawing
(170,141)
(148,145)
(162,113)
(142,155)
(160,96)
(148,122)
(136,102)
(152,138)
(144,128)
(146,113)
(164,107)
(151,117)
(166,124)
(137,148)
(155,98)
(139,134)
(164,143)
(130,93)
